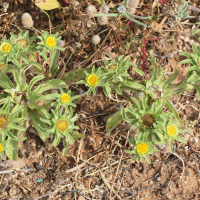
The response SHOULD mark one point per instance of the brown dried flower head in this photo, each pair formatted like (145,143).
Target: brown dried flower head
(27,20)
(147,120)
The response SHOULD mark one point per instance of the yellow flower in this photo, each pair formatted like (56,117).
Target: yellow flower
(62,125)
(6,47)
(2,66)
(50,42)
(4,121)
(65,98)
(92,79)
(1,148)
(142,148)
(172,130)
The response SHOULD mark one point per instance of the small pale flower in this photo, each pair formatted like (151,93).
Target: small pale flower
(121,9)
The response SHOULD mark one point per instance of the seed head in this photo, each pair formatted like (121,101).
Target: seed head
(102,20)
(105,9)
(27,20)
(96,39)
(91,11)
(132,5)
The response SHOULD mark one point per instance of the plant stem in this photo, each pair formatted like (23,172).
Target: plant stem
(139,17)
(135,21)
(108,15)
(125,3)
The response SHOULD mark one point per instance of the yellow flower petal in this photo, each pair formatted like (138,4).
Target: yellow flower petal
(62,125)
(172,130)
(6,47)
(92,79)
(65,98)
(1,148)
(142,148)
(50,42)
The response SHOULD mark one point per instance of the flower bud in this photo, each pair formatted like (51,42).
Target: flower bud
(91,11)
(27,20)
(105,9)
(96,39)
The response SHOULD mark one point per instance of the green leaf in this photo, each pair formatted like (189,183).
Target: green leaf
(75,75)
(186,54)
(36,119)
(52,84)
(11,149)
(171,107)
(53,60)
(139,71)
(5,82)
(100,2)
(33,81)
(114,120)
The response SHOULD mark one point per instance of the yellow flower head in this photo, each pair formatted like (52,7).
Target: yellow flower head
(62,125)
(4,121)
(172,130)
(50,42)
(1,148)
(2,66)
(6,47)
(92,79)
(142,148)
(65,98)
(113,67)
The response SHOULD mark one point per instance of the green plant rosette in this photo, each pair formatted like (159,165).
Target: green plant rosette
(142,147)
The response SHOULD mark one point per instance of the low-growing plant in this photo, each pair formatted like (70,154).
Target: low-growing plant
(51,111)
(23,99)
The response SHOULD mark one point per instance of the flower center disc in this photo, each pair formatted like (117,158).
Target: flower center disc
(65,98)
(92,79)
(6,47)
(50,41)
(142,148)
(171,130)
(4,121)
(148,120)
(62,125)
